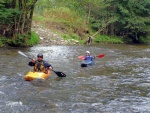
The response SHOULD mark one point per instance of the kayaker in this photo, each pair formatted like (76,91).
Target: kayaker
(40,65)
(88,56)
(88,60)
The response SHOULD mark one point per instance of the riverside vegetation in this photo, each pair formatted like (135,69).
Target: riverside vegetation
(71,22)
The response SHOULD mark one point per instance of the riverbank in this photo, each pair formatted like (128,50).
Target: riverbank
(48,37)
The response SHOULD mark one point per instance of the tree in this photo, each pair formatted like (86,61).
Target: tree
(16,19)
(131,18)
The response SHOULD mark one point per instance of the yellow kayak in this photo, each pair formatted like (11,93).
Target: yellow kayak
(35,75)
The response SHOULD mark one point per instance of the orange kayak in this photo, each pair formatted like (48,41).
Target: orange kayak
(35,75)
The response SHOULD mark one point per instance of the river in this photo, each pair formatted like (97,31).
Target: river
(118,83)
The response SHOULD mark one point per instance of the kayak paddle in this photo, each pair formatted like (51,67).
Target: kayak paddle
(59,74)
(21,53)
(83,57)
(100,55)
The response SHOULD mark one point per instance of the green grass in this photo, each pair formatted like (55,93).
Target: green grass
(107,39)
(72,36)
(33,40)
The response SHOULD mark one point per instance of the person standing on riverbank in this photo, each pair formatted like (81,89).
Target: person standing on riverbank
(88,41)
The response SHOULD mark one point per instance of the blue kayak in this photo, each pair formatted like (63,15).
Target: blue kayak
(87,63)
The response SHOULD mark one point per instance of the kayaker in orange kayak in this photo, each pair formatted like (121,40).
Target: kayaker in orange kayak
(41,65)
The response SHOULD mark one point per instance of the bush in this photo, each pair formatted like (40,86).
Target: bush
(144,40)
(107,39)
(21,40)
(3,41)
(33,40)
(66,36)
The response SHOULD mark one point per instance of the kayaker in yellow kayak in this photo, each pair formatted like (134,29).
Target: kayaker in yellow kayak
(41,65)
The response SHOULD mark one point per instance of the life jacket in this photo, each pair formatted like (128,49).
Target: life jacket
(89,58)
(39,66)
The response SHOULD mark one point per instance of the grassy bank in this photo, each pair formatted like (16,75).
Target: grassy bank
(70,25)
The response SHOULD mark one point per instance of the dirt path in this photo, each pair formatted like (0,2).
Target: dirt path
(47,37)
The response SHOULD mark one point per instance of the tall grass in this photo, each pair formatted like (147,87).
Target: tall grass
(64,15)
(63,19)
(107,39)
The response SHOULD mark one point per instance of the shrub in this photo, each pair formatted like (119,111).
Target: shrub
(107,39)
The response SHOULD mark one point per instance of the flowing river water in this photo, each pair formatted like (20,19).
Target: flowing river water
(117,83)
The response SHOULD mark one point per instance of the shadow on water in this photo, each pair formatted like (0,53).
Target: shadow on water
(119,82)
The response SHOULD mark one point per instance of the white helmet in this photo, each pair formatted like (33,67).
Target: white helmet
(87,52)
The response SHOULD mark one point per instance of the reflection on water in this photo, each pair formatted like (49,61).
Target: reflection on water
(119,82)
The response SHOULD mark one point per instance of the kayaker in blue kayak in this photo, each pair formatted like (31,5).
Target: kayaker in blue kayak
(88,56)
(88,60)
(41,65)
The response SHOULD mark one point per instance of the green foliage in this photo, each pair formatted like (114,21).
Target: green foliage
(75,37)
(15,20)
(64,16)
(107,39)
(71,36)
(63,19)
(33,40)
(127,40)
(112,17)
(66,36)
(1,44)
(144,40)
(7,15)
(134,18)
(129,18)
(21,41)
(3,40)
(73,5)
(39,18)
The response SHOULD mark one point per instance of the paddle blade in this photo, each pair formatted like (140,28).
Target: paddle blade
(101,55)
(59,74)
(21,53)
(81,57)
